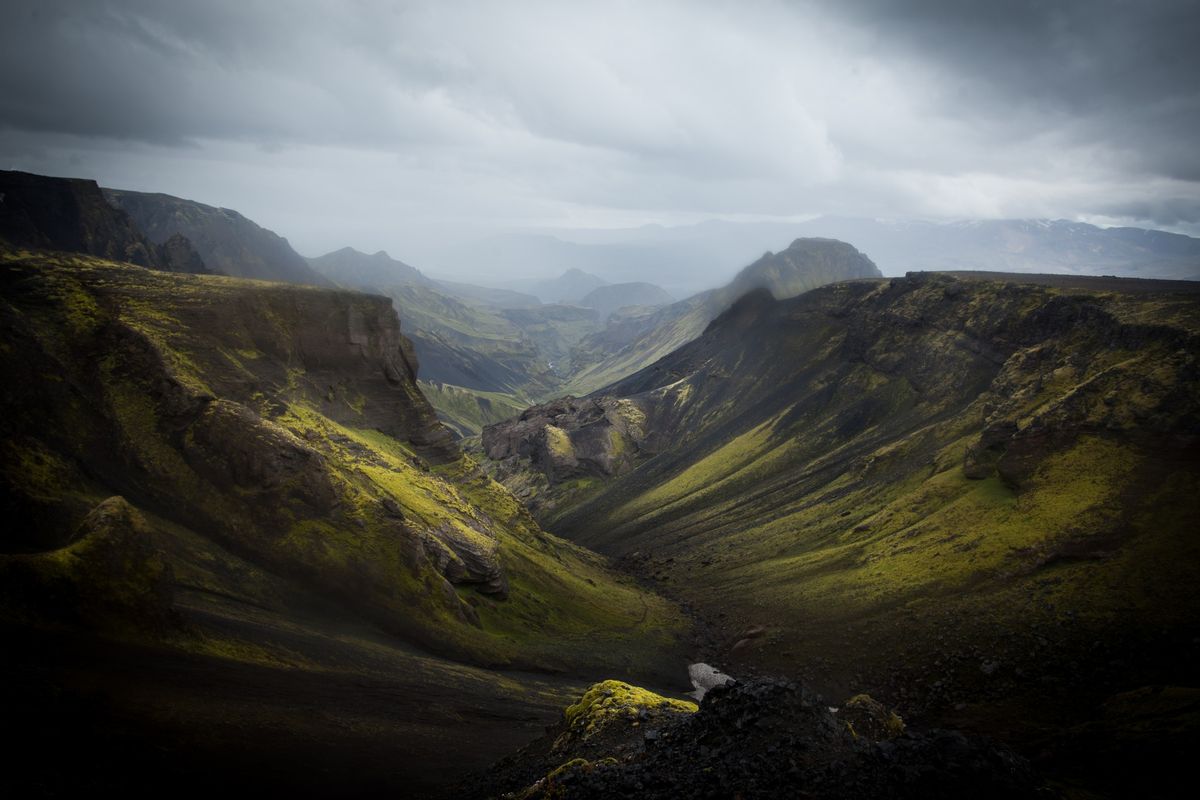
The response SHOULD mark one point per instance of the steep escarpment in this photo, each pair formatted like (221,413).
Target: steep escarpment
(952,489)
(225,240)
(804,265)
(283,426)
(71,214)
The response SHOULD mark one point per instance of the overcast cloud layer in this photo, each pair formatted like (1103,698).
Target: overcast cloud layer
(381,124)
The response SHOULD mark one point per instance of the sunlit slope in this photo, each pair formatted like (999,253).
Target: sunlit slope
(283,424)
(920,452)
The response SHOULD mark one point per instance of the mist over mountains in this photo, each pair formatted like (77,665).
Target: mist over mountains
(687,259)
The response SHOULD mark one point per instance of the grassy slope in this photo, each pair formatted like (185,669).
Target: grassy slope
(140,373)
(817,486)
(467,411)
(669,329)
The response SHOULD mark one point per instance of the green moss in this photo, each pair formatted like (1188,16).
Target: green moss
(611,701)
(469,410)
(39,472)
(707,477)
(558,442)
(868,717)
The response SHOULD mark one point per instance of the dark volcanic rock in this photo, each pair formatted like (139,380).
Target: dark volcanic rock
(571,437)
(769,739)
(178,255)
(234,447)
(69,214)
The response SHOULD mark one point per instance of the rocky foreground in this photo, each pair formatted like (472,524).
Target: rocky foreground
(764,738)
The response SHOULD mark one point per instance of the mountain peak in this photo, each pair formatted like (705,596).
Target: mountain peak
(376,271)
(805,264)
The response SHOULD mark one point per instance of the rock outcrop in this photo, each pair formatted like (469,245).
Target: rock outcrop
(570,438)
(72,215)
(764,738)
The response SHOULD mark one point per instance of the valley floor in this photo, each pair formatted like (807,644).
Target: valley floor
(316,703)
(352,714)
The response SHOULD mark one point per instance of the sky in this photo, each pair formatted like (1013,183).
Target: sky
(387,125)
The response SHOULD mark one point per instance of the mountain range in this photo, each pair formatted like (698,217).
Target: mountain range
(689,258)
(253,540)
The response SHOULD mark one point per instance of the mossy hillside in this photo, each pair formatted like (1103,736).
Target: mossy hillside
(561,598)
(929,463)
(226,428)
(111,578)
(467,411)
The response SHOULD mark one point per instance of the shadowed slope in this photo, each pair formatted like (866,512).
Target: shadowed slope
(804,265)
(977,475)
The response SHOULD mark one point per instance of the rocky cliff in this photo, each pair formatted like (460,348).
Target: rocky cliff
(72,214)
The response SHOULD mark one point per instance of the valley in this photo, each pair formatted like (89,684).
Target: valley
(337,528)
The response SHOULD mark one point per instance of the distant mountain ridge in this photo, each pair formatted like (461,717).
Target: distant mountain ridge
(804,265)
(1019,245)
(607,299)
(689,258)
(570,287)
(350,267)
(226,240)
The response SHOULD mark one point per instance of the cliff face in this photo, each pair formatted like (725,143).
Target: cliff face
(893,473)
(226,240)
(281,426)
(72,215)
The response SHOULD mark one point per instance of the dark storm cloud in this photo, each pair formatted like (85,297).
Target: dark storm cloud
(331,119)
(1125,73)
(174,72)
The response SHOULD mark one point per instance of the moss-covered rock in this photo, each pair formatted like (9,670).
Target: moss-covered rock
(612,703)
(865,716)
